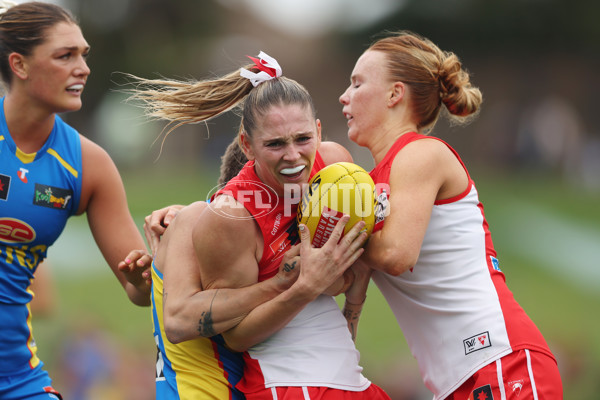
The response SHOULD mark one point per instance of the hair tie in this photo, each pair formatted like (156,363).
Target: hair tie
(268,66)
(441,84)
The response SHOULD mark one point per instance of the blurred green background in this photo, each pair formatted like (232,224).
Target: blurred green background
(534,152)
(562,302)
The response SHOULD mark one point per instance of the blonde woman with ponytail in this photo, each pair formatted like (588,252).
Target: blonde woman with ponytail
(432,252)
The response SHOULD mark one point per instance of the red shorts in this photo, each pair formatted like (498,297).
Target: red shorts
(373,392)
(524,374)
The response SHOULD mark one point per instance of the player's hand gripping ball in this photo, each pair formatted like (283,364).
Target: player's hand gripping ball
(338,189)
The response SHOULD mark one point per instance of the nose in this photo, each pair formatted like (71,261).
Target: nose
(82,68)
(344,98)
(291,153)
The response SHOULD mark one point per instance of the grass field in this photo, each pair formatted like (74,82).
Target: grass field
(565,310)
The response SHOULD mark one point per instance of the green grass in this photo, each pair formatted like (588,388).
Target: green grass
(566,315)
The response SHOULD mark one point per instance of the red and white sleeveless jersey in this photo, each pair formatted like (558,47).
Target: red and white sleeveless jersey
(454,307)
(315,348)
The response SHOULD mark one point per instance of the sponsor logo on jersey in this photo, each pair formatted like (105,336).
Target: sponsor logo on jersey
(23,174)
(495,263)
(477,342)
(52,197)
(15,231)
(482,393)
(516,386)
(4,186)
(283,242)
(382,206)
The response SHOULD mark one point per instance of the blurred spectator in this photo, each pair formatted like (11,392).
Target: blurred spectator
(94,365)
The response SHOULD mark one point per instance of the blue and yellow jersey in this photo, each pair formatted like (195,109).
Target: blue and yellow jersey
(38,193)
(202,368)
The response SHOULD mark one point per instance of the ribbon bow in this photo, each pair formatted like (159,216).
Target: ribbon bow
(5,5)
(268,66)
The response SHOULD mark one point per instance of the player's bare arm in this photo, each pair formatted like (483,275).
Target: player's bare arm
(320,267)
(191,309)
(415,180)
(113,228)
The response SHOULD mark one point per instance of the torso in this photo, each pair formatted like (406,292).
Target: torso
(38,193)
(315,348)
(454,307)
(194,369)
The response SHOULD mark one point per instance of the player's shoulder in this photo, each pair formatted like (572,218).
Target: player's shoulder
(226,230)
(93,153)
(333,152)
(190,213)
(227,213)
(422,153)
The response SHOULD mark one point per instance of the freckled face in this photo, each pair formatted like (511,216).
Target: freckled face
(56,71)
(284,145)
(366,99)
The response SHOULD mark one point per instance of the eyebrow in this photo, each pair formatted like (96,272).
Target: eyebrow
(73,48)
(285,139)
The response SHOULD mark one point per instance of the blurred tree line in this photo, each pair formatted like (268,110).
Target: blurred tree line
(536,62)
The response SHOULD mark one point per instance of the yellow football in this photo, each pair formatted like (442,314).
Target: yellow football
(338,189)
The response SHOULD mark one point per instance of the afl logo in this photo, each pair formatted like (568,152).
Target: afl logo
(253,195)
(15,231)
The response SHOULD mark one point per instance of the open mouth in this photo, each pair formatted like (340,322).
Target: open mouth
(75,88)
(348,117)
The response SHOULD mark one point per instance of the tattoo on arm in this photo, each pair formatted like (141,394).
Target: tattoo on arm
(352,328)
(352,317)
(205,324)
(287,267)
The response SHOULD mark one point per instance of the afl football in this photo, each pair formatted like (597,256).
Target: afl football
(338,189)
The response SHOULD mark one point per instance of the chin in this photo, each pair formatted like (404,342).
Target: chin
(353,136)
(70,101)
(71,107)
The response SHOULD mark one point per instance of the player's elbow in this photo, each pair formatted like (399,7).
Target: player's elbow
(138,297)
(235,343)
(240,339)
(175,325)
(394,261)
(173,330)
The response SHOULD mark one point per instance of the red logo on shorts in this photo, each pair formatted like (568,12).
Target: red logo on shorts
(50,389)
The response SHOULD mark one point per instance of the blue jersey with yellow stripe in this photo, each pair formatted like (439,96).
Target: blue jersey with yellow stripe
(201,368)
(38,193)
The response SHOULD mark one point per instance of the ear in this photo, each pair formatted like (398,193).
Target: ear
(396,94)
(246,147)
(18,65)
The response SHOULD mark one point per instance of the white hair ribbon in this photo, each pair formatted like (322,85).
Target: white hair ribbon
(5,5)
(268,66)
